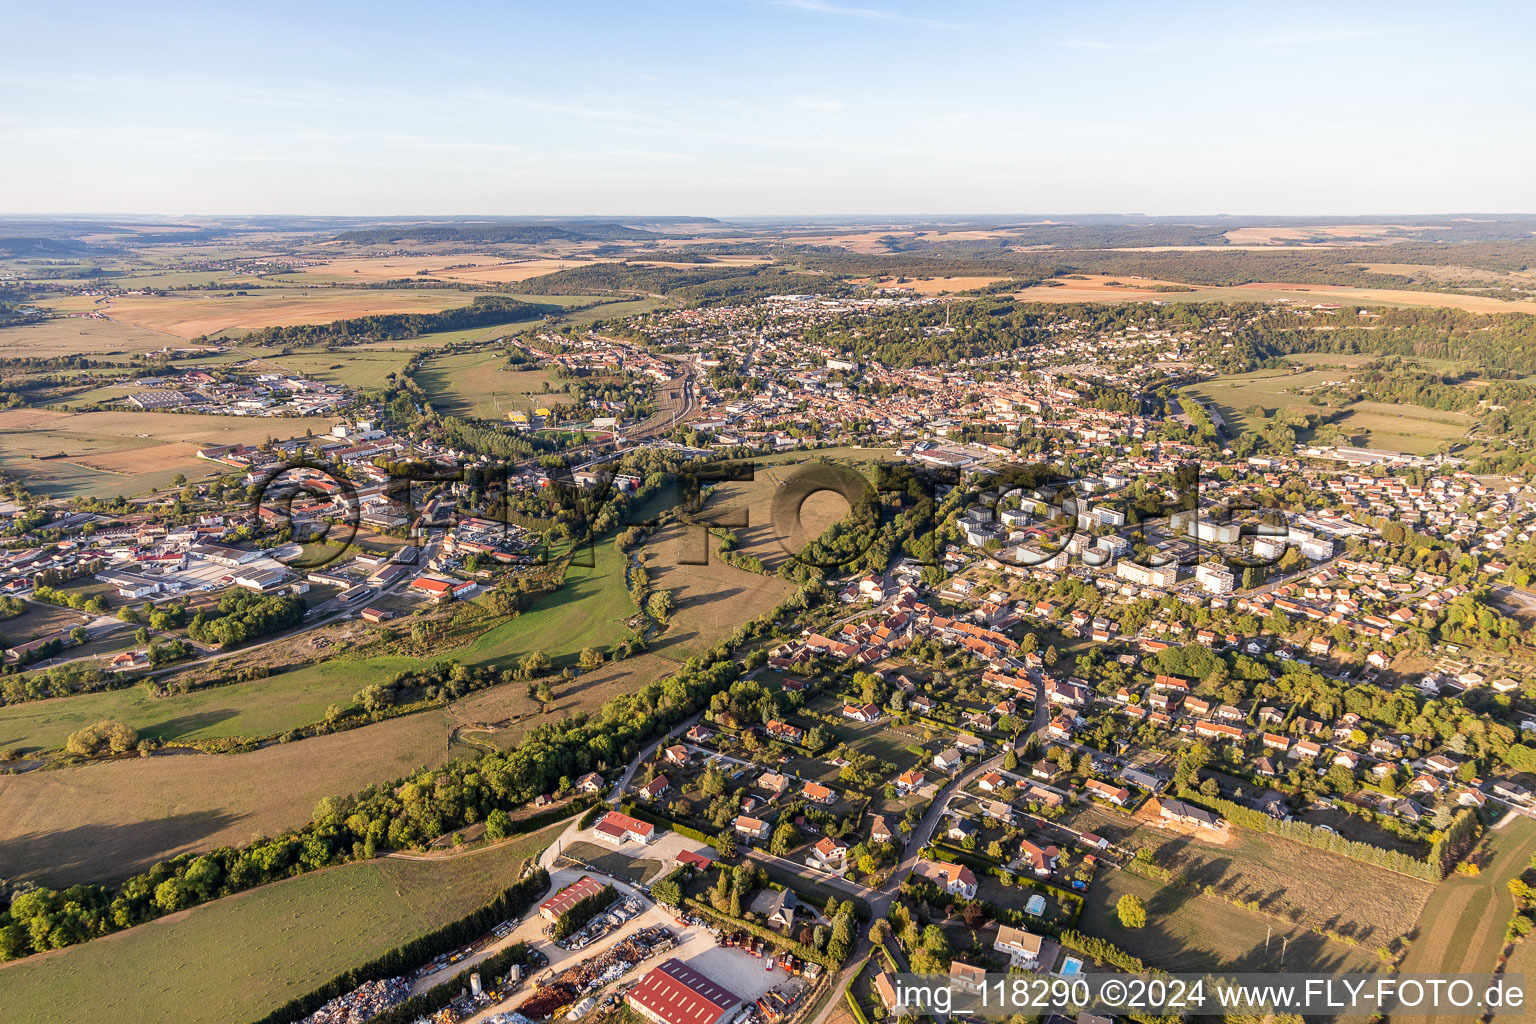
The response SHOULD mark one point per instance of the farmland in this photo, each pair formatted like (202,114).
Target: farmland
(194,314)
(109,820)
(68,336)
(1289,882)
(1462,927)
(481,384)
(470,269)
(1190,932)
(260,948)
(1104,288)
(122,452)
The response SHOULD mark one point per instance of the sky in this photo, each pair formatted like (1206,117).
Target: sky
(768,107)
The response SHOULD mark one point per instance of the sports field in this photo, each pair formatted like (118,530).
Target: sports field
(259,949)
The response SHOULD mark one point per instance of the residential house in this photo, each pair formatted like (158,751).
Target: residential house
(1039,859)
(752,829)
(828,855)
(1117,795)
(955,879)
(816,793)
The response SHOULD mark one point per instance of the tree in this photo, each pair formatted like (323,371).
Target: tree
(1131,911)
(534,663)
(783,838)
(660,606)
(591,658)
(498,824)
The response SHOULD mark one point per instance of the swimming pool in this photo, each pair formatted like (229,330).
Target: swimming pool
(1071,965)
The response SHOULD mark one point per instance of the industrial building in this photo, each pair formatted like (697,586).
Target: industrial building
(561,902)
(675,993)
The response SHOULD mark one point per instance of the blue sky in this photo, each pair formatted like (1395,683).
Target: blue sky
(743,107)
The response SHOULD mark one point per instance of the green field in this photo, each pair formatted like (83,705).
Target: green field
(258,708)
(482,385)
(1406,428)
(588,610)
(364,369)
(1462,927)
(1188,932)
(1236,394)
(240,957)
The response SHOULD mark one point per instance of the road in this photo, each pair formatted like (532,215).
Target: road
(880,898)
(648,751)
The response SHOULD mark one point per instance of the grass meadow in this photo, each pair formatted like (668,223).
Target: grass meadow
(259,949)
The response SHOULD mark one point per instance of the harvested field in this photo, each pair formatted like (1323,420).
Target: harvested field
(476,268)
(105,821)
(752,503)
(1103,288)
(1397,296)
(109,453)
(132,461)
(91,336)
(931,285)
(198,428)
(1337,234)
(191,315)
(711,600)
(242,956)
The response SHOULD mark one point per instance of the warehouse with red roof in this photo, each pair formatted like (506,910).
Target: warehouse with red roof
(675,993)
(557,905)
